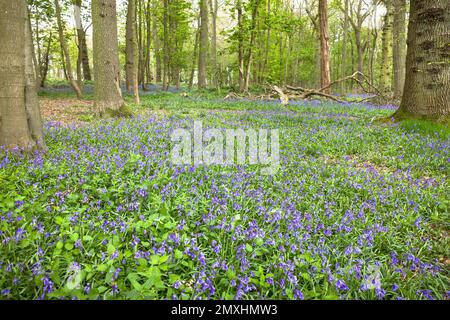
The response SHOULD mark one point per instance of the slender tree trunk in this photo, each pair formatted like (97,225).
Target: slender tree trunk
(156,42)
(344,47)
(65,51)
(399,47)
(36,64)
(203,49)
(132,52)
(46,61)
(325,78)
(195,55)
(31,97)
(20,122)
(214,9)
(267,48)
(148,19)
(84,55)
(166,46)
(250,47)
(240,45)
(107,91)
(386,39)
(427,83)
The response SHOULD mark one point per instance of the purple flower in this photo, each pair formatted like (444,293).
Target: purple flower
(340,285)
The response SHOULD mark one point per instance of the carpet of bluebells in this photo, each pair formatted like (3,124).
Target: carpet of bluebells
(358,209)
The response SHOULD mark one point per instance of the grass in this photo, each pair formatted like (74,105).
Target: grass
(358,210)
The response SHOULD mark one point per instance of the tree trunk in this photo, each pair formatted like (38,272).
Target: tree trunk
(344,47)
(84,55)
(399,46)
(203,48)
(325,78)
(252,42)
(195,55)
(107,91)
(427,83)
(386,40)
(148,20)
(157,45)
(214,9)
(46,61)
(65,50)
(165,80)
(132,52)
(20,122)
(240,45)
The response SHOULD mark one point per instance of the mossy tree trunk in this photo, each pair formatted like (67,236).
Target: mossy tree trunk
(427,85)
(20,120)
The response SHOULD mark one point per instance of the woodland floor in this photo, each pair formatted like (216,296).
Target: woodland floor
(358,210)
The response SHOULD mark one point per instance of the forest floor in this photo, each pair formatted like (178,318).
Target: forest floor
(357,210)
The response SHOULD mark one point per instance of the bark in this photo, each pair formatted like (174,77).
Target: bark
(46,61)
(399,46)
(20,123)
(344,46)
(386,40)
(166,46)
(157,45)
(148,20)
(141,45)
(195,55)
(83,54)
(65,52)
(36,65)
(131,52)
(427,83)
(31,97)
(240,45)
(203,48)
(252,42)
(325,77)
(267,48)
(215,72)
(107,92)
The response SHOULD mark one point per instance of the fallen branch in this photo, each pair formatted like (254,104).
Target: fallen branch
(284,98)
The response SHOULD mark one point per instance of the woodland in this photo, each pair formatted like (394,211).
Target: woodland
(93,207)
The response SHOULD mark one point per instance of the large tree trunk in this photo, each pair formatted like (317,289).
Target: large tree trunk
(20,122)
(107,91)
(131,67)
(203,48)
(65,52)
(399,46)
(427,83)
(325,77)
